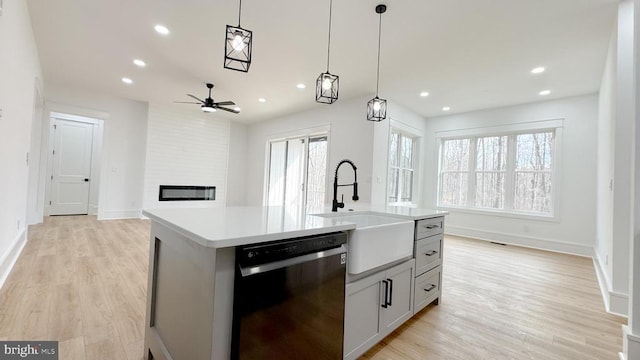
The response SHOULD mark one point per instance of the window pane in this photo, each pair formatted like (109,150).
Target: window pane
(491,153)
(453,188)
(406,183)
(393,185)
(316,174)
(534,151)
(406,152)
(393,149)
(533,192)
(455,155)
(490,190)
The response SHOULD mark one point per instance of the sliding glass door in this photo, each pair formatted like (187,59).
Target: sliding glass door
(297,174)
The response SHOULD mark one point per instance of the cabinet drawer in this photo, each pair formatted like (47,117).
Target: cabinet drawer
(429,227)
(428,253)
(427,288)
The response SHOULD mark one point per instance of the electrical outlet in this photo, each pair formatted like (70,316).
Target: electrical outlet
(0,108)
(27,158)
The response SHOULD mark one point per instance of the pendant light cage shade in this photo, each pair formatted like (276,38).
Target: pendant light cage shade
(327,88)
(237,48)
(376,109)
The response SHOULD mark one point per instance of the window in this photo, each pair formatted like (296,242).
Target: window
(402,172)
(297,172)
(499,172)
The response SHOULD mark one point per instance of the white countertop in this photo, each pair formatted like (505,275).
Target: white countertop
(233,226)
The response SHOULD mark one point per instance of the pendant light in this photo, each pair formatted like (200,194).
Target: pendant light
(237,46)
(327,83)
(376,107)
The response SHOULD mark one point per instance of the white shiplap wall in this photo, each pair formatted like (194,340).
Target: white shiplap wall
(185,148)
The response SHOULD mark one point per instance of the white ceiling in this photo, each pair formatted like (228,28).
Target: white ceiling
(468,54)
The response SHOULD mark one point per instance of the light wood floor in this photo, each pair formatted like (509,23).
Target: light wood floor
(83,282)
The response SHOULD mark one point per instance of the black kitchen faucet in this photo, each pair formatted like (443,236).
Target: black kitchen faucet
(335,205)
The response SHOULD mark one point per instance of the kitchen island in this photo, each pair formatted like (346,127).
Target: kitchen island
(192,269)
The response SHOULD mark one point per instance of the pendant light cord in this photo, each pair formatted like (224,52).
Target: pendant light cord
(239,12)
(329,42)
(379,36)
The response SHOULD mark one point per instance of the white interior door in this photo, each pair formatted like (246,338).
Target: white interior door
(72,145)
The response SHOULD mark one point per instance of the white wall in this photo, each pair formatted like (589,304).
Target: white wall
(185,148)
(606,141)
(19,69)
(124,145)
(237,168)
(575,230)
(351,137)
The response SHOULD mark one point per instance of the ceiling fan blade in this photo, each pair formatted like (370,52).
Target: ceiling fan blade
(187,102)
(202,101)
(227,109)
(225,103)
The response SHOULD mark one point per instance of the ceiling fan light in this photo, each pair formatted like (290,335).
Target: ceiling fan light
(327,88)
(237,49)
(376,109)
(208,109)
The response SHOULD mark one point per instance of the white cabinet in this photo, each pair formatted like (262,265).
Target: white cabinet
(377,305)
(428,254)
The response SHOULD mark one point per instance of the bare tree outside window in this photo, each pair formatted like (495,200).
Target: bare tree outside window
(533,170)
(499,172)
(401,167)
(454,177)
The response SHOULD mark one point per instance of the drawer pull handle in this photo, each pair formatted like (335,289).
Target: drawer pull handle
(430,288)
(431,253)
(431,227)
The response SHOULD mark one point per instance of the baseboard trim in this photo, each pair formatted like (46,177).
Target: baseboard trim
(630,344)
(119,214)
(618,304)
(9,259)
(519,240)
(603,282)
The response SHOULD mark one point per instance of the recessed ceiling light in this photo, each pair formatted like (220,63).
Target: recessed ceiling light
(127,81)
(545,92)
(161,29)
(424,94)
(262,100)
(446,108)
(538,70)
(301,86)
(139,63)
(236,108)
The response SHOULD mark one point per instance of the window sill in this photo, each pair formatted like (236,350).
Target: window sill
(403,204)
(488,212)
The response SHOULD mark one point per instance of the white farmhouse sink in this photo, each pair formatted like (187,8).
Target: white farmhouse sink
(376,241)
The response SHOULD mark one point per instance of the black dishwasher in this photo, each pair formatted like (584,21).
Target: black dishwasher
(289,299)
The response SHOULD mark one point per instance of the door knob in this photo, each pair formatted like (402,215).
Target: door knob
(86,180)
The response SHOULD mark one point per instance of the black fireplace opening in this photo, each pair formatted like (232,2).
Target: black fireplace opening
(186,193)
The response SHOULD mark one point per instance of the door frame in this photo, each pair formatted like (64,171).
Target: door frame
(96,157)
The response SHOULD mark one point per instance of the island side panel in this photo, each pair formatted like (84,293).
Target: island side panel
(223,303)
(180,297)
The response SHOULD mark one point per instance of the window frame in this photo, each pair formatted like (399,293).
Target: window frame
(404,131)
(511,131)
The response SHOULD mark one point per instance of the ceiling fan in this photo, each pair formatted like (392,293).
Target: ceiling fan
(208,105)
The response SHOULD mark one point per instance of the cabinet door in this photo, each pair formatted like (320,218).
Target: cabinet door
(361,322)
(400,305)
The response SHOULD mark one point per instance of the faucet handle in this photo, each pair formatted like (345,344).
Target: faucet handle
(341,203)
